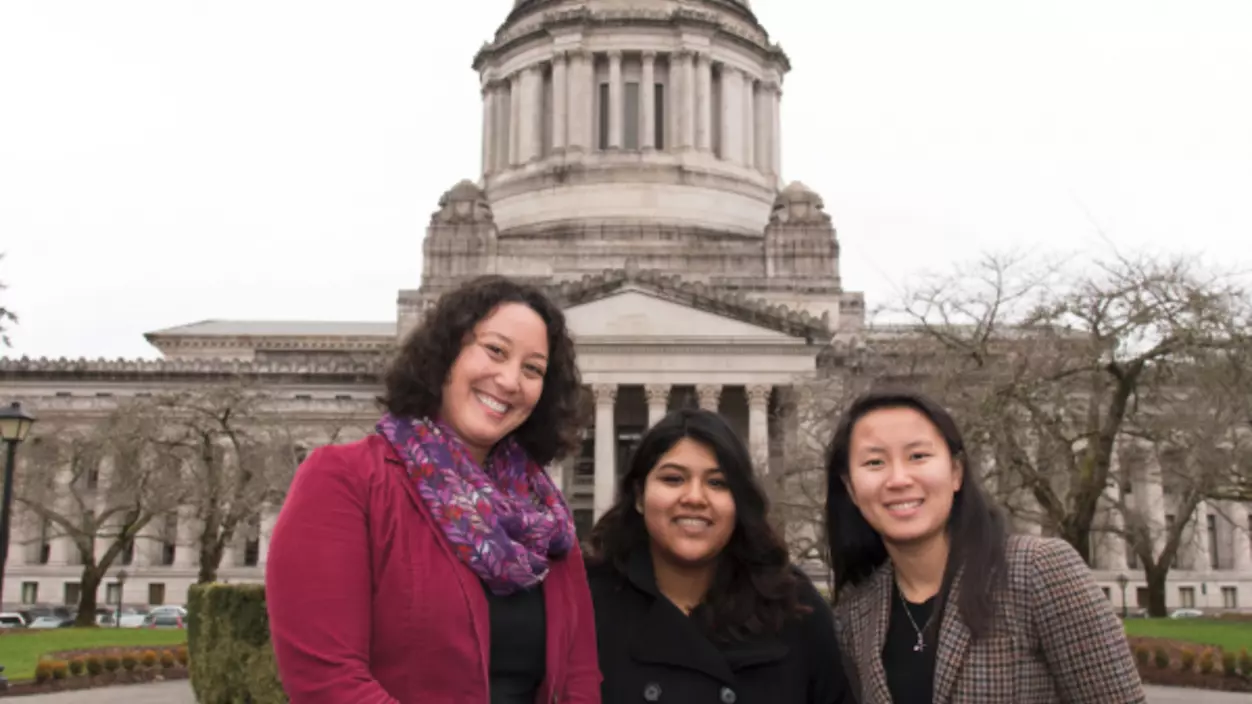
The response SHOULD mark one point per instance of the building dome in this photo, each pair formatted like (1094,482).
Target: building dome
(622,115)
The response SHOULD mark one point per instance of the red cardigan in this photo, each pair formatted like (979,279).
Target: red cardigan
(368,604)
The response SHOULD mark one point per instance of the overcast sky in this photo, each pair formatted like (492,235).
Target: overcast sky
(168,161)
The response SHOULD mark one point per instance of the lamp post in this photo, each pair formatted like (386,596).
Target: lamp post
(121,591)
(1121,582)
(14,425)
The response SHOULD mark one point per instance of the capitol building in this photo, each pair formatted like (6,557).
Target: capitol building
(632,166)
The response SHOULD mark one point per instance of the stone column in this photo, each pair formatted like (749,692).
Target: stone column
(489,99)
(269,516)
(710,396)
(580,100)
(647,101)
(775,98)
(749,120)
(704,102)
(516,90)
(1150,497)
(502,152)
(531,126)
(1201,551)
(1112,544)
(686,99)
(1241,542)
(658,402)
(758,426)
(186,550)
(615,100)
(560,102)
(605,449)
(761,118)
(732,115)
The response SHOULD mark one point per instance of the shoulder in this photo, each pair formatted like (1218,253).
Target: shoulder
(1042,563)
(807,592)
(603,577)
(350,465)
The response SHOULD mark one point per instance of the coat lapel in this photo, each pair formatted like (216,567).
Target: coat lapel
(869,636)
(954,639)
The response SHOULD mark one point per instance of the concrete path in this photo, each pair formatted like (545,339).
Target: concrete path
(180,693)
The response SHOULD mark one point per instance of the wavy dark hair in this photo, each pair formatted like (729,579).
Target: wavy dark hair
(977,530)
(754,589)
(415,378)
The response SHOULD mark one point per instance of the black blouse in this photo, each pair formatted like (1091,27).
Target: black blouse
(910,672)
(518,645)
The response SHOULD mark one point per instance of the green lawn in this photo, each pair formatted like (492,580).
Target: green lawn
(21,651)
(1229,635)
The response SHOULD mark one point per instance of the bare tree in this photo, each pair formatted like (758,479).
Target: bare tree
(6,317)
(99,486)
(236,457)
(1054,360)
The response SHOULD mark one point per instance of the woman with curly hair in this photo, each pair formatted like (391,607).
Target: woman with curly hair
(696,599)
(434,561)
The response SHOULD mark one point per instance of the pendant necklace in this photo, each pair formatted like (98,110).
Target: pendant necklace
(921,638)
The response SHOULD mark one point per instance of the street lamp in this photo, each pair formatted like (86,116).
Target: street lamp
(1121,581)
(121,590)
(14,425)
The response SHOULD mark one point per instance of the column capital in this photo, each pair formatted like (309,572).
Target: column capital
(657,393)
(534,69)
(758,394)
(710,395)
(559,57)
(683,54)
(747,75)
(614,54)
(606,394)
(649,56)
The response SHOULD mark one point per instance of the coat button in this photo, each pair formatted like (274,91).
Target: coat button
(728,695)
(652,693)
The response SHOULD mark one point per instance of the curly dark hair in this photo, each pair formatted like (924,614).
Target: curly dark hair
(415,378)
(755,589)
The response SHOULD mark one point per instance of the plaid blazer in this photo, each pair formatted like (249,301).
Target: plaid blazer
(1056,637)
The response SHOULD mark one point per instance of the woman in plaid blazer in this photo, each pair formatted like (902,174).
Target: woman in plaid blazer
(934,601)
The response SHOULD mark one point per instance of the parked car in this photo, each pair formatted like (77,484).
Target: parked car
(165,619)
(12,620)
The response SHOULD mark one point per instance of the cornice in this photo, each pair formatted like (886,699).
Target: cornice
(189,369)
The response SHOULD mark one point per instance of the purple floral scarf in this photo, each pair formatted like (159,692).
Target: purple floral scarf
(504,520)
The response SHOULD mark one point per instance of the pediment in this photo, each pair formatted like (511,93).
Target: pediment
(640,316)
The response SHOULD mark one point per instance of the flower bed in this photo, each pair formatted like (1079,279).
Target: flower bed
(1181,664)
(101,667)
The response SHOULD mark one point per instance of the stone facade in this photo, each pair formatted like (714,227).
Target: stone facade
(632,166)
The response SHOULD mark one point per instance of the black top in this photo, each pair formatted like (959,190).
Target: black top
(518,645)
(910,672)
(650,651)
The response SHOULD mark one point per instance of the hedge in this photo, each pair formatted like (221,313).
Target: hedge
(228,636)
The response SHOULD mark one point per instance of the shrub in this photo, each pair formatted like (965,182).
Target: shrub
(1230,663)
(43,671)
(1161,658)
(180,653)
(60,669)
(149,658)
(1143,655)
(77,665)
(228,637)
(1206,661)
(1188,659)
(1245,662)
(167,659)
(112,662)
(129,662)
(95,664)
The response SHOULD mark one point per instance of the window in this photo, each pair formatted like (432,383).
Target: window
(113,593)
(584,519)
(73,592)
(1169,525)
(1132,557)
(1186,595)
(717,127)
(128,552)
(545,138)
(169,539)
(252,545)
(659,117)
(30,592)
(1212,536)
(1107,594)
(1230,597)
(156,594)
(604,116)
(1141,597)
(630,116)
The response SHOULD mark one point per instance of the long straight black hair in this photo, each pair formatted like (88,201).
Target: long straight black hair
(754,590)
(977,530)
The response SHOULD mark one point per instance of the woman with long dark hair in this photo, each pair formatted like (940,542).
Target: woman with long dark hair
(934,600)
(695,596)
(435,561)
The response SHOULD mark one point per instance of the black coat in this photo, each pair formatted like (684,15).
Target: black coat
(650,651)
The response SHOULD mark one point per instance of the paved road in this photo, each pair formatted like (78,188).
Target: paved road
(180,693)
